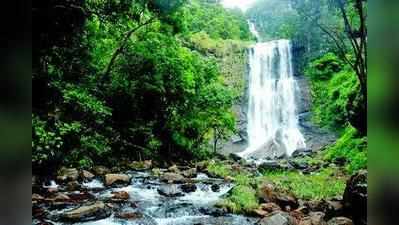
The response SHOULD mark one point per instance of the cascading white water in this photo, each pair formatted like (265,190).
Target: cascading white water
(272,119)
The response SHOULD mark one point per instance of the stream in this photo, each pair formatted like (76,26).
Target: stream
(194,208)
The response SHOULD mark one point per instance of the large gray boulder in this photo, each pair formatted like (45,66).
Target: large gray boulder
(355,198)
(95,211)
(279,218)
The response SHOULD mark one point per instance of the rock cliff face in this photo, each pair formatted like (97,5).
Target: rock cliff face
(238,141)
(316,137)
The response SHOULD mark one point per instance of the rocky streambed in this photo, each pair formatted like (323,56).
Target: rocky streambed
(186,195)
(157,197)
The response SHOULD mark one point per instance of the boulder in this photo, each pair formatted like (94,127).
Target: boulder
(37,198)
(67,174)
(111,179)
(73,186)
(340,221)
(317,218)
(286,201)
(189,187)
(302,152)
(215,212)
(172,178)
(86,175)
(190,173)
(129,215)
(201,166)
(141,165)
(120,196)
(270,165)
(266,209)
(278,218)
(59,197)
(174,169)
(170,190)
(100,170)
(235,157)
(215,187)
(299,165)
(355,197)
(85,213)
(266,193)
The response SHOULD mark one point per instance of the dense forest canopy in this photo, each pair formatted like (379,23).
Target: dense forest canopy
(115,78)
(145,78)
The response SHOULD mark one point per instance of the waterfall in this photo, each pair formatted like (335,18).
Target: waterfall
(272,118)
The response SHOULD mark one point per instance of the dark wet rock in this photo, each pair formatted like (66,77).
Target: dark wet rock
(340,161)
(270,165)
(286,201)
(355,197)
(101,170)
(201,166)
(38,212)
(120,196)
(302,152)
(111,179)
(86,175)
(41,222)
(73,186)
(190,173)
(172,178)
(140,165)
(170,190)
(340,221)
(334,208)
(215,212)
(215,187)
(266,209)
(299,165)
(81,196)
(67,174)
(85,213)
(278,218)
(235,157)
(189,187)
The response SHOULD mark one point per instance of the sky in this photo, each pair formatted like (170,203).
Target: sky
(242,4)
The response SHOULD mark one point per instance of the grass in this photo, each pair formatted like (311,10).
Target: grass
(326,184)
(241,200)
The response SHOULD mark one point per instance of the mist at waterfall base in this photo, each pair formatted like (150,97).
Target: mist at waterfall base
(272,128)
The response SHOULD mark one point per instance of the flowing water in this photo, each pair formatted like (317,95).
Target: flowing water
(188,209)
(272,118)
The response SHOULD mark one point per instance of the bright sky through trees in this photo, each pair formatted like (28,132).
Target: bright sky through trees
(242,4)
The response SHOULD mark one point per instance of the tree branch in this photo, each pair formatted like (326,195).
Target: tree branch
(122,45)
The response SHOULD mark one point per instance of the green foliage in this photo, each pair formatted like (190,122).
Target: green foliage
(322,185)
(241,200)
(219,169)
(160,98)
(216,21)
(350,147)
(334,85)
